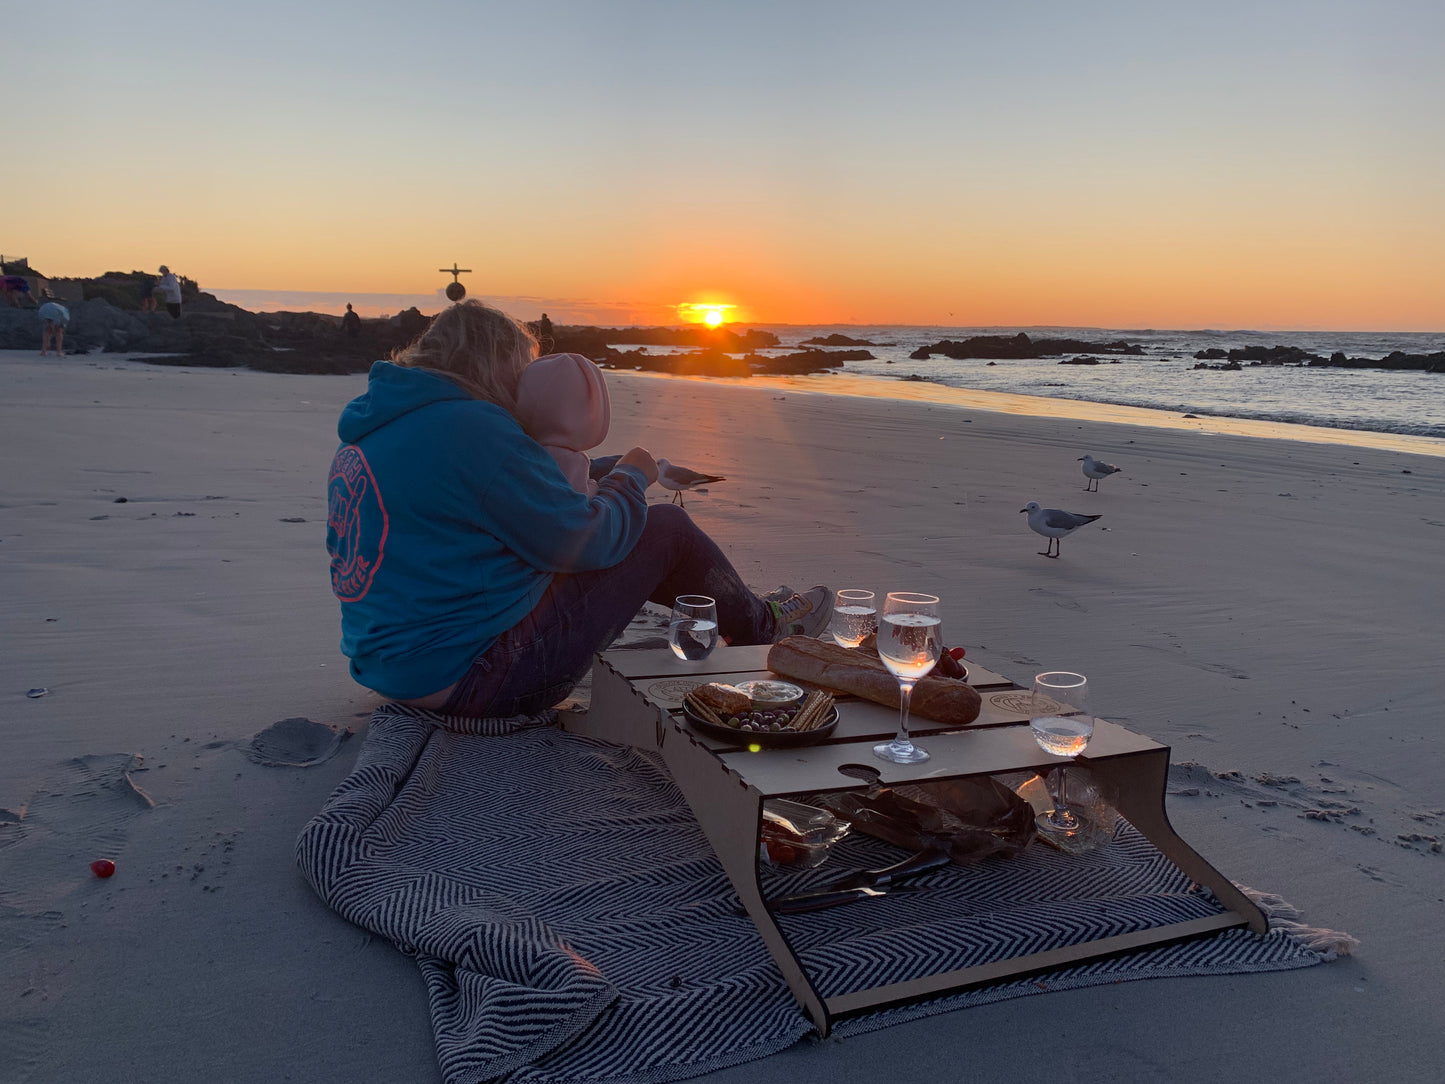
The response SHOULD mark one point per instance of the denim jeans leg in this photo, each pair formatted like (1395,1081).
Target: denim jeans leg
(536,663)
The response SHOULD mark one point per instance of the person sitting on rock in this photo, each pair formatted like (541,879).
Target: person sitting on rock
(53,319)
(350,323)
(15,287)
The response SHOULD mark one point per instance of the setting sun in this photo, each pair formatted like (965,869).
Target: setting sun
(713,314)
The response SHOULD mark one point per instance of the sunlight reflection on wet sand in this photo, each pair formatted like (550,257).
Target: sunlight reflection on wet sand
(875,388)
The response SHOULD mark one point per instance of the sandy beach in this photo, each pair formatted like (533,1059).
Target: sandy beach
(1266,606)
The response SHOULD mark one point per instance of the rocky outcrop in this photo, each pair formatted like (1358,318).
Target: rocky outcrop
(1396,359)
(586,340)
(836,340)
(720,363)
(1294,355)
(1020,346)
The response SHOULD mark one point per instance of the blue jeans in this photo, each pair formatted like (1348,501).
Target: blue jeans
(535,664)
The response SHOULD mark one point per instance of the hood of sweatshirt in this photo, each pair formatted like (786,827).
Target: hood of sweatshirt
(392,392)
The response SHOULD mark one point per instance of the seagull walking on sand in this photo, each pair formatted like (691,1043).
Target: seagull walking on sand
(678,479)
(1053,524)
(1094,469)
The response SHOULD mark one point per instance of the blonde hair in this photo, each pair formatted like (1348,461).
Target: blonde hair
(479,347)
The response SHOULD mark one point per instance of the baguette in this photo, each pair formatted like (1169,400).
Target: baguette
(820,663)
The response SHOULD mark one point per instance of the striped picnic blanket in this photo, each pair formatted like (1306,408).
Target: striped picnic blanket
(572,924)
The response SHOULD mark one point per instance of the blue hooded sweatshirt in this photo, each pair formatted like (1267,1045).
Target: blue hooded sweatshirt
(446,523)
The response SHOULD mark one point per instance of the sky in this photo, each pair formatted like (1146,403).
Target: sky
(1273,164)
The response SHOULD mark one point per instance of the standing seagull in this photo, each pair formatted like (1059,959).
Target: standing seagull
(1094,469)
(1053,524)
(678,479)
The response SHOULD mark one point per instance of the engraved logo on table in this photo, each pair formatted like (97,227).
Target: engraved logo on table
(1018,700)
(672,689)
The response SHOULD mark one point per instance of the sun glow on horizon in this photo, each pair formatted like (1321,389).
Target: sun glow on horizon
(713,314)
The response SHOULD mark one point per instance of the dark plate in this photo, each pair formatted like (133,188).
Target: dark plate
(768,740)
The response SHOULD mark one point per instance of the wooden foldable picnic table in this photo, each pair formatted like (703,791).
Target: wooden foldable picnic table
(637,699)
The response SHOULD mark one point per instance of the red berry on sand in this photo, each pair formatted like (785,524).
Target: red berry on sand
(102,867)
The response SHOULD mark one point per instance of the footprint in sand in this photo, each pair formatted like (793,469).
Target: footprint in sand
(296,743)
(1184,660)
(80,812)
(1062,601)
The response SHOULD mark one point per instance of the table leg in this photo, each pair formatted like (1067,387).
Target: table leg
(730,814)
(1136,785)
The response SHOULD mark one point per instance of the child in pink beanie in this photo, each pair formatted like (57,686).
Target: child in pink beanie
(563,405)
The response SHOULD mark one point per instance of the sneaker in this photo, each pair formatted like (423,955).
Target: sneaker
(805,614)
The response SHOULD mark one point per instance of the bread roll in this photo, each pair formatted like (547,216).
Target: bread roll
(819,662)
(724,699)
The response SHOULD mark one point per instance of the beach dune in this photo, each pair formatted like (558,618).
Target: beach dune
(1269,607)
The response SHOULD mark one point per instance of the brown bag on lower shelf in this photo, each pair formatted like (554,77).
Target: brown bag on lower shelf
(818,662)
(968,819)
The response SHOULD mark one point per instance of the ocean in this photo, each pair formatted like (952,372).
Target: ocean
(1164,378)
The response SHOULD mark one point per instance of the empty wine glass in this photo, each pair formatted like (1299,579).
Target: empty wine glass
(854,617)
(1061,727)
(692,629)
(910,639)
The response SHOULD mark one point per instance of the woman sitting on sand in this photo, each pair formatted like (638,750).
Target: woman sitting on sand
(474,579)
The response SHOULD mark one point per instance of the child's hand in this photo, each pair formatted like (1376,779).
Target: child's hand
(642,459)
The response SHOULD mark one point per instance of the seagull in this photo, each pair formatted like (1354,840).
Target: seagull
(678,479)
(1094,469)
(1053,524)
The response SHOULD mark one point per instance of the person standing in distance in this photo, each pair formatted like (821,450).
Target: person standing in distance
(350,323)
(170,286)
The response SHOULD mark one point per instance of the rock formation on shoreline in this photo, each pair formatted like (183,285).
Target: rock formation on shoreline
(837,340)
(1254,356)
(214,333)
(1018,347)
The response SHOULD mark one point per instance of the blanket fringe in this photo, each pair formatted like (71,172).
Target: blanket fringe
(1282,915)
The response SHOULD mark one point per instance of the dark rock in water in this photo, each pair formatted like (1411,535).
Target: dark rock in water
(1080,361)
(1294,355)
(836,340)
(591,340)
(806,361)
(1020,346)
(715,362)
(915,376)
(1228,366)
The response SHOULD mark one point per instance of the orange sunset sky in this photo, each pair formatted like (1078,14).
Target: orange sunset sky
(1268,165)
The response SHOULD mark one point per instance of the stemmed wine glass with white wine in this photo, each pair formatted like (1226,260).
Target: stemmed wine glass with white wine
(910,639)
(1058,717)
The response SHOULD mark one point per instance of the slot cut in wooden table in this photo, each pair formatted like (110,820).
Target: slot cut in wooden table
(635,700)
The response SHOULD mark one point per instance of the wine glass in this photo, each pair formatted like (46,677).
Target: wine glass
(854,617)
(1056,716)
(692,629)
(910,639)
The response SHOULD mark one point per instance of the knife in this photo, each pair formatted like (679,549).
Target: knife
(857,886)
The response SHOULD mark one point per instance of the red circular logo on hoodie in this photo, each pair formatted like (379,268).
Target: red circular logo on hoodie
(356,524)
